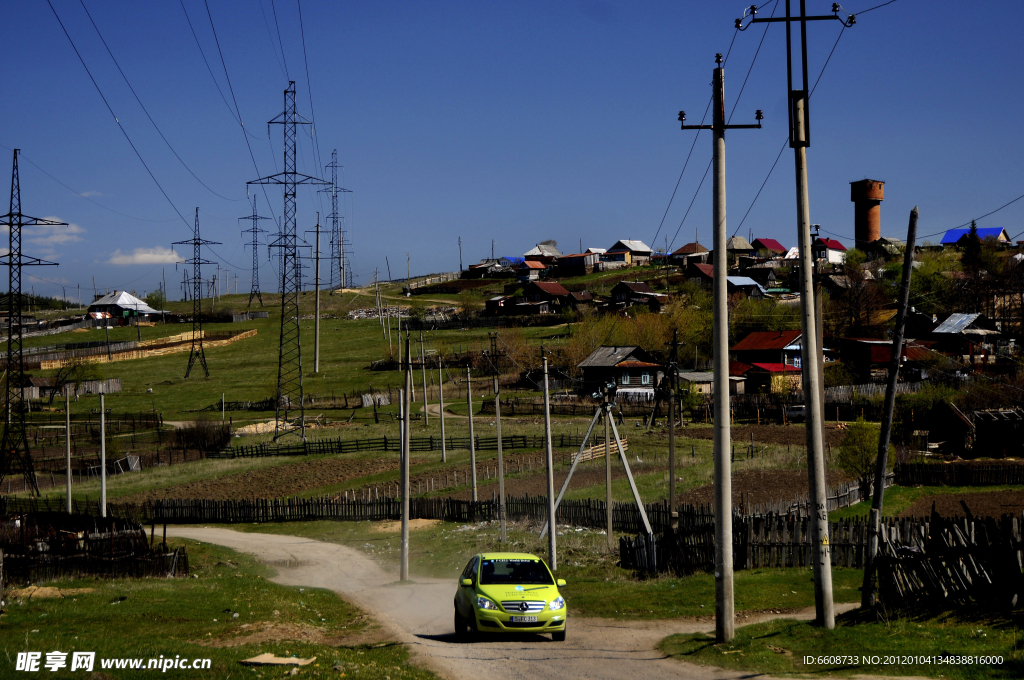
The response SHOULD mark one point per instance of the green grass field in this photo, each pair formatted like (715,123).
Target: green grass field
(780,647)
(196,618)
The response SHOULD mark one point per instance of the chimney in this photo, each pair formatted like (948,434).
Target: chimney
(867,196)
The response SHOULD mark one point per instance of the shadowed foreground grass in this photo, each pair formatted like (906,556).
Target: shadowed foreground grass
(196,618)
(780,647)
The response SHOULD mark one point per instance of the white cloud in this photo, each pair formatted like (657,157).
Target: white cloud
(158,255)
(52,235)
(89,194)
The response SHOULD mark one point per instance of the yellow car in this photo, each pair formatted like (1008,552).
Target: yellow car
(509,593)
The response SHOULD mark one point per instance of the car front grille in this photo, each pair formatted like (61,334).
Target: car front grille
(515,606)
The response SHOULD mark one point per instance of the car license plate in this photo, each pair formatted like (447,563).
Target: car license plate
(524,619)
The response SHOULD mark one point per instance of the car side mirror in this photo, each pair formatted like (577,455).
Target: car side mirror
(467,581)
(560,583)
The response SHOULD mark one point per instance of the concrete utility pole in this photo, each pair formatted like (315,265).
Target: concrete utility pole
(103,458)
(725,617)
(316,312)
(460,253)
(550,460)
(811,357)
(472,442)
(606,409)
(882,462)
(423,372)
(67,444)
(406,408)
(440,399)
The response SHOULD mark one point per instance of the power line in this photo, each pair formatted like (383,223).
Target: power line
(317,157)
(865,11)
(144,110)
(273,48)
(22,156)
(815,87)
(233,99)
(113,115)
(207,62)
(273,9)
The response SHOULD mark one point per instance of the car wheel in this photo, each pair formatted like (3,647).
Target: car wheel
(558,635)
(474,632)
(461,629)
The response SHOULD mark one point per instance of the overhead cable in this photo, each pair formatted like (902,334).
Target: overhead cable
(113,115)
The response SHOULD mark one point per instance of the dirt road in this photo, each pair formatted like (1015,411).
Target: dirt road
(419,614)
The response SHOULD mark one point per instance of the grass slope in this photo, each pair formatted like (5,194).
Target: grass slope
(194,618)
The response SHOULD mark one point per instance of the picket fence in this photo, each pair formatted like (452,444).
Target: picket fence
(960,474)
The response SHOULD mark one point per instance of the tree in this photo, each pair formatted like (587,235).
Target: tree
(970,250)
(156,300)
(73,371)
(858,453)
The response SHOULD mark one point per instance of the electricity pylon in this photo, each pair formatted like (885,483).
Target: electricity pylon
(289,360)
(255,230)
(15,456)
(339,252)
(197,262)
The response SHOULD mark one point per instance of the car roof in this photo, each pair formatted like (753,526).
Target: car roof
(507,556)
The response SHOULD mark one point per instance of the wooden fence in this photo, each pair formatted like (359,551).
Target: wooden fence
(960,474)
(385,443)
(759,542)
(46,545)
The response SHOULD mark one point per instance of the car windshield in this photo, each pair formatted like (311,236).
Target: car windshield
(514,572)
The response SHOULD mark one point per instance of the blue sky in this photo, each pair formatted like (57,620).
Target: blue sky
(516,122)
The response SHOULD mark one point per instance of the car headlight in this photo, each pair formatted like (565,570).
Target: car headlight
(557,603)
(484,603)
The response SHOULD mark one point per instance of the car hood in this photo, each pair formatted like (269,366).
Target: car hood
(501,592)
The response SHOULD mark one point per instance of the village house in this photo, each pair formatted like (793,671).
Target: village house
(577,264)
(639,252)
(531,270)
(768,347)
(703,383)
(636,292)
(542,252)
(691,252)
(828,249)
(631,369)
(953,237)
(774,378)
(769,245)
(120,305)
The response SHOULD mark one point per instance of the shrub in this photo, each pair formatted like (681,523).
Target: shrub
(203,435)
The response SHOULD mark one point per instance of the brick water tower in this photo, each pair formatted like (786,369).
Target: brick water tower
(867,196)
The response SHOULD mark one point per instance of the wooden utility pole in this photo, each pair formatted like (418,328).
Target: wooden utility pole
(606,410)
(882,462)
(440,399)
(67,443)
(472,442)
(673,367)
(549,459)
(725,623)
(103,457)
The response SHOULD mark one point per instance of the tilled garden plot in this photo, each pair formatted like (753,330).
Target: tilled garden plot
(981,504)
(793,435)
(276,481)
(763,486)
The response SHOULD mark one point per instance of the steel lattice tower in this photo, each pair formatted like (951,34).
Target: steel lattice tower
(339,254)
(255,230)
(197,297)
(289,361)
(15,456)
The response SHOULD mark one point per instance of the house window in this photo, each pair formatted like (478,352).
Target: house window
(645,379)
(625,378)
